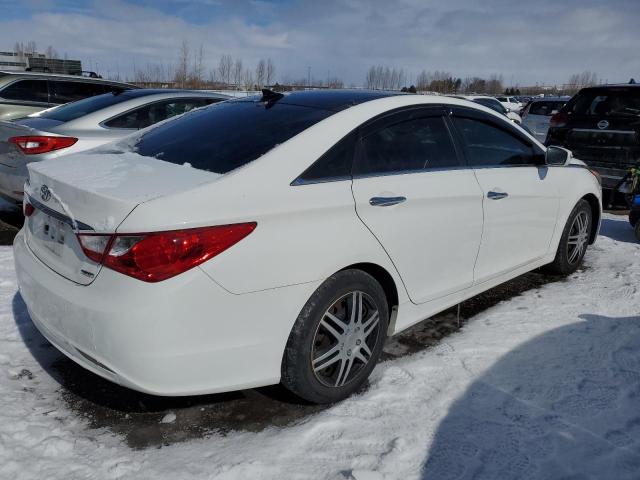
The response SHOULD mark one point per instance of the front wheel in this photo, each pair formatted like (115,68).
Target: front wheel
(574,241)
(337,338)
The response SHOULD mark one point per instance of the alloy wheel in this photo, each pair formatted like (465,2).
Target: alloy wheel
(345,339)
(578,238)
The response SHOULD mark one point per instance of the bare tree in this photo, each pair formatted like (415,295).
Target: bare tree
(237,72)
(224,68)
(182,70)
(248,80)
(261,68)
(271,72)
(581,80)
(197,72)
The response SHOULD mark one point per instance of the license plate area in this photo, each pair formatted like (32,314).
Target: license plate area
(54,233)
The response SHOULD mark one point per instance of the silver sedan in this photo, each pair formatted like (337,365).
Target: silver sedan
(85,124)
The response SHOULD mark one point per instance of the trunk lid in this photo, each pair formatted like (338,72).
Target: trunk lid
(93,192)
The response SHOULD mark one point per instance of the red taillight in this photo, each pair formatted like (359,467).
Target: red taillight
(153,257)
(32,145)
(28,209)
(560,119)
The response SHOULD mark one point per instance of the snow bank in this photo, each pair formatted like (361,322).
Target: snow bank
(545,385)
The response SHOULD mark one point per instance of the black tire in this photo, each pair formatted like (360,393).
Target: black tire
(310,339)
(564,263)
(637,230)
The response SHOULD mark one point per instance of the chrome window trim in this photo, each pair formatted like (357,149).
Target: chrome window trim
(57,215)
(626,132)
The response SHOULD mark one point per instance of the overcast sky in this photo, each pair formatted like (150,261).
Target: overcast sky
(542,42)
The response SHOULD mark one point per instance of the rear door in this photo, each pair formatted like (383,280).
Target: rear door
(414,194)
(521,194)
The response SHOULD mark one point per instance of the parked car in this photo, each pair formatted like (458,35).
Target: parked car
(510,103)
(538,112)
(601,125)
(493,104)
(282,238)
(23,93)
(634,215)
(85,124)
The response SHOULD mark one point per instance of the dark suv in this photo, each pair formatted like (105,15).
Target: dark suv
(601,126)
(23,93)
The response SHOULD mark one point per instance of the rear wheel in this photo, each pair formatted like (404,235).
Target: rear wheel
(574,241)
(337,338)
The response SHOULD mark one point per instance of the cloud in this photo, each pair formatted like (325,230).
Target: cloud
(546,41)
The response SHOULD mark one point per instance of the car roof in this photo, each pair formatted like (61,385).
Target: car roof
(4,74)
(145,92)
(335,100)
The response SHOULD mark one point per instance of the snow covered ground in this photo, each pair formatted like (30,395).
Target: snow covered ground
(545,385)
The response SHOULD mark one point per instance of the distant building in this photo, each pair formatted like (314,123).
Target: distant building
(11,61)
(38,62)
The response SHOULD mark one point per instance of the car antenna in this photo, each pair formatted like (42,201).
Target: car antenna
(270,97)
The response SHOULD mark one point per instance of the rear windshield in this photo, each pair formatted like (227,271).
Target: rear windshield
(71,111)
(492,103)
(602,102)
(546,108)
(225,136)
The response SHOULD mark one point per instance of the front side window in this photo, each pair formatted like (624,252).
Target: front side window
(27,91)
(490,146)
(407,146)
(156,112)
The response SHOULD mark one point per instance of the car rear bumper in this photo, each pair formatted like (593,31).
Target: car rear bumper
(184,336)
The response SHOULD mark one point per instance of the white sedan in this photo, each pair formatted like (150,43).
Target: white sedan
(283,238)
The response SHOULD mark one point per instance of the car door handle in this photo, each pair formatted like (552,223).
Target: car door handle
(497,195)
(386,201)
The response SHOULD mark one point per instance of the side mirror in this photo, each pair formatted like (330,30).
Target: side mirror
(557,156)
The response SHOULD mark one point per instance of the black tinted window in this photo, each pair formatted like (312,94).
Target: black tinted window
(64,92)
(622,101)
(546,108)
(156,112)
(228,135)
(335,163)
(411,145)
(492,103)
(71,111)
(488,145)
(27,90)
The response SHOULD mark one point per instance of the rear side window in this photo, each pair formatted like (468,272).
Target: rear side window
(71,111)
(411,145)
(27,91)
(228,135)
(545,108)
(335,164)
(490,146)
(602,102)
(64,92)
(156,112)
